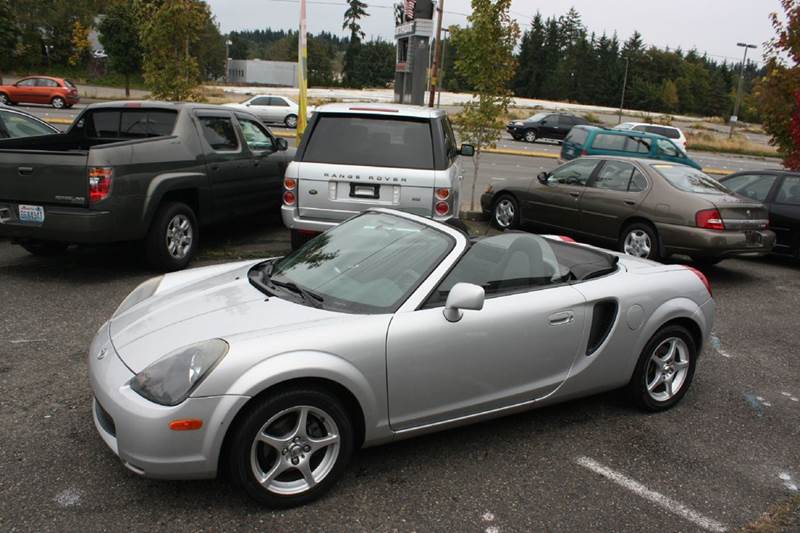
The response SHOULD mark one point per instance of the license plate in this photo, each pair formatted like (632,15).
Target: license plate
(31,213)
(754,237)
(364,191)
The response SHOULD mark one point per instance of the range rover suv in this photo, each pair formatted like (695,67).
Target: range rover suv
(356,156)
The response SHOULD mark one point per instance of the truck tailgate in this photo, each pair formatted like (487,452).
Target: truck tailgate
(38,177)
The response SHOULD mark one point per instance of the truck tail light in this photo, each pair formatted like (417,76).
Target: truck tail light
(99,183)
(703,279)
(709,219)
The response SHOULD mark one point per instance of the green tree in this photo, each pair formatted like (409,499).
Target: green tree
(210,51)
(8,36)
(490,40)
(777,93)
(669,95)
(356,10)
(119,35)
(169,30)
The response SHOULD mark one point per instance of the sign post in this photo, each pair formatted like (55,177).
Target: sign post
(302,60)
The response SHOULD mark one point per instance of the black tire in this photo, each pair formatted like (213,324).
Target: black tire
(642,375)
(157,250)
(58,103)
(243,436)
(641,229)
(4,99)
(290,121)
(531,136)
(501,220)
(299,239)
(45,248)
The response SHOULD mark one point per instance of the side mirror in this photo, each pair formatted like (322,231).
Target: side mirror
(463,296)
(467,150)
(282,144)
(542,177)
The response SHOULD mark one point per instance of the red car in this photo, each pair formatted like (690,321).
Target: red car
(57,92)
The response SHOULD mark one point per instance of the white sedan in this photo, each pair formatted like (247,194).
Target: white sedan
(272,109)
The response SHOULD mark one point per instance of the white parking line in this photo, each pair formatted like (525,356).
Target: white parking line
(665,502)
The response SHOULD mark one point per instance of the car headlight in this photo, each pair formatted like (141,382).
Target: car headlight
(171,379)
(139,294)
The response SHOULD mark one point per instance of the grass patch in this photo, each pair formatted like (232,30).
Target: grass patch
(709,142)
(784,516)
(593,118)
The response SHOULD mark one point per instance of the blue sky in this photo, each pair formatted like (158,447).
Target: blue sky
(712,26)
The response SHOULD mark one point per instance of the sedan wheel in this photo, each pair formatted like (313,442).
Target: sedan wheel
(58,102)
(291,121)
(530,136)
(291,447)
(505,214)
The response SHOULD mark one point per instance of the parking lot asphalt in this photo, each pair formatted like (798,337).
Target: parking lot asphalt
(728,453)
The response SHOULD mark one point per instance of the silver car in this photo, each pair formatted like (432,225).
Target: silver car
(384,327)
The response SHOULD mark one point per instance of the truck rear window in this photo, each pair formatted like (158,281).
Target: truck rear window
(371,141)
(130,124)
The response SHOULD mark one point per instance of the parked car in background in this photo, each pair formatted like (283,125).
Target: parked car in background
(356,156)
(670,132)
(591,140)
(130,171)
(388,326)
(15,123)
(645,208)
(272,109)
(553,126)
(57,92)
(780,192)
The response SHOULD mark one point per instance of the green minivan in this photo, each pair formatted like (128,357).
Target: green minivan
(591,140)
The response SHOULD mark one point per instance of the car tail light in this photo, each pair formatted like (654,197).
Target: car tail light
(442,208)
(584,152)
(289,198)
(703,279)
(709,219)
(290,184)
(99,183)
(442,194)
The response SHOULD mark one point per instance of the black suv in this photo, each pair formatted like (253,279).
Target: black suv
(544,126)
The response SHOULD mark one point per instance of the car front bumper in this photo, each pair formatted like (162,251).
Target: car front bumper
(137,430)
(715,244)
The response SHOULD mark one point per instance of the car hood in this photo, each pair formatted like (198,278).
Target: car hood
(220,304)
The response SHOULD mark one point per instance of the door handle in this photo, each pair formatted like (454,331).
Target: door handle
(214,167)
(574,194)
(24,171)
(629,202)
(564,317)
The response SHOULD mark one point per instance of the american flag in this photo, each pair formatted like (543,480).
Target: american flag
(408,9)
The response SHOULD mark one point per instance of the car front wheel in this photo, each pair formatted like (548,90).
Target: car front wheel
(530,136)
(665,369)
(291,447)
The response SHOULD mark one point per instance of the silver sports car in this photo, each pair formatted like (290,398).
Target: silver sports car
(387,326)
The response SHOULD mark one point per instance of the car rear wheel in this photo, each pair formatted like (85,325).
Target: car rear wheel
(531,136)
(291,121)
(291,447)
(173,236)
(505,213)
(4,99)
(640,240)
(45,248)
(665,369)
(58,102)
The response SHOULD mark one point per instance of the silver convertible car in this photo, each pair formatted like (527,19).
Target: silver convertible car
(388,326)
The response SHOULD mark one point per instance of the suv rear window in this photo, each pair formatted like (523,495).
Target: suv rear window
(130,124)
(371,141)
(577,136)
(670,133)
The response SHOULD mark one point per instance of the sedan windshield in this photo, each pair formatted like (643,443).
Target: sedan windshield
(369,264)
(690,180)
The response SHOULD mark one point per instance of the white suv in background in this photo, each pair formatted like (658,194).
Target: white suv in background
(271,109)
(670,132)
(356,156)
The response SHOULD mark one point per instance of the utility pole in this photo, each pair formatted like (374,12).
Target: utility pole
(437,54)
(735,117)
(302,82)
(228,44)
(441,78)
(624,84)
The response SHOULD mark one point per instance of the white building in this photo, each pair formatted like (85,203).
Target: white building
(256,71)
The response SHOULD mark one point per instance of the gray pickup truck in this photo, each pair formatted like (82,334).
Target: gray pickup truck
(139,171)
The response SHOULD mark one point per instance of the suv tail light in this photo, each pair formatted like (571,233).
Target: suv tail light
(443,202)
(703,279)
(442,208)
(99,183)
(289,196)
(709,219)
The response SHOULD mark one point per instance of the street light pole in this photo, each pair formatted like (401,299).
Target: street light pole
(437,54)
(228,44)
(735,117)
(624,85)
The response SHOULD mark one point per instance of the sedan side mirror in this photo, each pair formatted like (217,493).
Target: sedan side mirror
(467,150)
(463,296)
(282,144)
(543,177)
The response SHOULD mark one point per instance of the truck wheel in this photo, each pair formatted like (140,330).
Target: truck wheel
(291,121)
(45,248)
(173,236)
(299,239)
(58,102)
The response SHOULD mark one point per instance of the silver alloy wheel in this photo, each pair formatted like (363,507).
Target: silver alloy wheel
(58,102)
(291,121)
(667,369)
(179,236)
(637,243)
(504,213)
(530,136)
(300,456)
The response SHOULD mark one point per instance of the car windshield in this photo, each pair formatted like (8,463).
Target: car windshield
(369,264)
(690,180)
(538,116)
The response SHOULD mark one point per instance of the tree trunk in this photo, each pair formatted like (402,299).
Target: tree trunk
(127,85)
(476,161)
